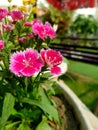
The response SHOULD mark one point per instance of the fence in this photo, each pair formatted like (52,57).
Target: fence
(77,52)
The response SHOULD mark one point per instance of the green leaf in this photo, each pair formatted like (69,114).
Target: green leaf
(43,125)
(45,105)
(46,75)
(7,109)
(11,125)
(23,126)
(18,26)
(3,73)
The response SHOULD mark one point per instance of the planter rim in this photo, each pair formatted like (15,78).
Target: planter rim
(88,121)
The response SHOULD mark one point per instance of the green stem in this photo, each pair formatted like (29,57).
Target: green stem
(36,84)
(26,84)
(37,79)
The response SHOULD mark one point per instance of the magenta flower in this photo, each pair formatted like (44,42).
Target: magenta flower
(26,63)
(7,27)
(16,15)
(30,35)
(43,30)
(37,28)
(22,39)
(37,21)
(28,24)
(3,13)
(49,30)
(52,58)
(1,44)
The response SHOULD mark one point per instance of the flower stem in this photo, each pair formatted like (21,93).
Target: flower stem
(26,84)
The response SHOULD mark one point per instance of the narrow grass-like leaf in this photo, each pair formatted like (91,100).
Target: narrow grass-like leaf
(45,105)
(7,109)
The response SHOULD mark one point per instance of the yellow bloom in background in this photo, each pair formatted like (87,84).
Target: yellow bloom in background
(35,9)
(32,1)
(23,8)
(27,2)
(9,1)
(14,6)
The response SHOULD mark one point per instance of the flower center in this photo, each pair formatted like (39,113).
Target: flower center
(27,62)
(52,60)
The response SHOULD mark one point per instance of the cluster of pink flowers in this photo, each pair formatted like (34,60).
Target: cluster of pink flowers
(43,30)
(15,14)
(38,28)
(28,62)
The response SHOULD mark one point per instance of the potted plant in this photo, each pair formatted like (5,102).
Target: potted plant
(85,30)
(27,72)
(26,68)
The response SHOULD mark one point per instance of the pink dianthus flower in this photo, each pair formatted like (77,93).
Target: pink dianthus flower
(49,30)
(26,63)
(3,13)
(28,24)
(52,58)
(1,44)
(22,39)
(16,15)
(7,27)
(43,30)
(30,35)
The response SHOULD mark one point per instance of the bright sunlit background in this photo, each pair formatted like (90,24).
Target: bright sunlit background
(18,2)
(5,2)
(86,11)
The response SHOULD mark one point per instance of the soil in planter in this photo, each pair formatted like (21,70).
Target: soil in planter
(68,119)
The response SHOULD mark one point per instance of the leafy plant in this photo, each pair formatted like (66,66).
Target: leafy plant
(84,25)
(26,68)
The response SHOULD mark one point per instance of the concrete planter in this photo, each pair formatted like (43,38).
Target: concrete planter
(88,121)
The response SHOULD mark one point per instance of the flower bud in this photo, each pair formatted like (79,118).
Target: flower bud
(26,2)
(9,1)
(1,44)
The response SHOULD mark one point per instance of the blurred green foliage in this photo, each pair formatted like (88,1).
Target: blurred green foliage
(84,25)
(61,18)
